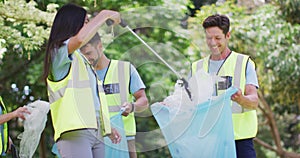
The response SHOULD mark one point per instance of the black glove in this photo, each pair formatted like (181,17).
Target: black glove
(186,87)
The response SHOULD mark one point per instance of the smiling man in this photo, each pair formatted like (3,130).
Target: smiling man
(236,70)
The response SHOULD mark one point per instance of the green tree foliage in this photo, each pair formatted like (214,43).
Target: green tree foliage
(22,35)
(290,10)
(21,29)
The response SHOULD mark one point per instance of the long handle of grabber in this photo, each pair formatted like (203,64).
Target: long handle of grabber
(124,24)
(185,83)
(153,51)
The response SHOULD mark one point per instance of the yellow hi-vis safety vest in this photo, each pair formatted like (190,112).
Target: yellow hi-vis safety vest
(71,100)
(234,68)
(4,138)
(116,87)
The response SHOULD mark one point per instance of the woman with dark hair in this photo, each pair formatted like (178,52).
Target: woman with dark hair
(78,105)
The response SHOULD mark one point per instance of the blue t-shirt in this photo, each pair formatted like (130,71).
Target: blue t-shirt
(60,68)
(136,82)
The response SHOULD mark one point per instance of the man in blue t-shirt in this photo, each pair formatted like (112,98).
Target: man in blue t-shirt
(237,70)
(119,78)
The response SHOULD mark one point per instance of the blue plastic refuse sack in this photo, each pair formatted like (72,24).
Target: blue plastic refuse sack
(204,131)
(119,150)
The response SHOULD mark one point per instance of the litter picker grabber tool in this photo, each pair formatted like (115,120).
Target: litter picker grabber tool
(124,24)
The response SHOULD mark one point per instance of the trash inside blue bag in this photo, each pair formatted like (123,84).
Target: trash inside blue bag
(203,131)
(119,150)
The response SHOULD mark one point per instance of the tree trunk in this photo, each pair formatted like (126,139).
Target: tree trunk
(42,148)
(268,113)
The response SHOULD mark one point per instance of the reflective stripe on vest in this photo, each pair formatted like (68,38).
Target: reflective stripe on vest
(71,100)
(244,120)
(116,87)
(3,143)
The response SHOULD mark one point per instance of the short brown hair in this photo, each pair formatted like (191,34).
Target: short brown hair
(220,21)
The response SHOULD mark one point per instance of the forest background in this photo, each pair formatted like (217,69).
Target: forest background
(267,30)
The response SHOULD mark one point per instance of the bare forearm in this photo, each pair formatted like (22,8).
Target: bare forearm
(249,102)
(89,29)
(17,113)
(6,117)
(87,32)
(141,104)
